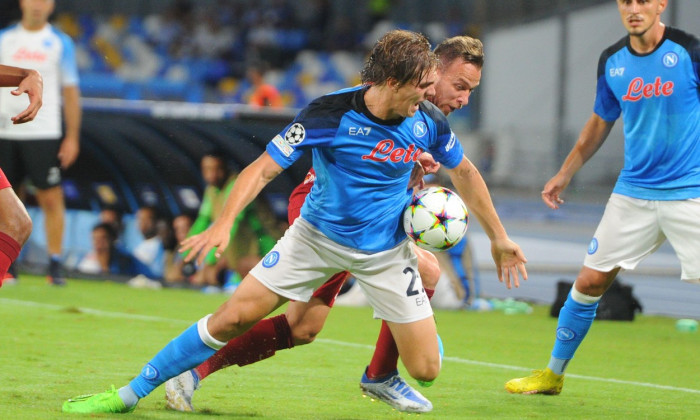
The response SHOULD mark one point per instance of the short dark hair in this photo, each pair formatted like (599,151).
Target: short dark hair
(108,228)
(469,49)
(216,153)
(404,56)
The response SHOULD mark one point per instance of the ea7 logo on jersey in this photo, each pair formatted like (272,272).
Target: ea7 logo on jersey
(295,134)
(617,71)
(359,131)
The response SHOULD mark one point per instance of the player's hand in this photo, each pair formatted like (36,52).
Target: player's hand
(552,189)
(216,236)
(425,165)
(510,262)
(68,152)
(33,86)
(426,160)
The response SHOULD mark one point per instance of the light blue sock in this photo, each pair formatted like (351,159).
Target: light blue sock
(575,319)
(127,394)
(185,352)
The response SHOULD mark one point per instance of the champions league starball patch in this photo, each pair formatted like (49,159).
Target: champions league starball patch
(295,134)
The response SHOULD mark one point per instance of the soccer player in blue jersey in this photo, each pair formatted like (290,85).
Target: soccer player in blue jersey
(364,141)
(459,72)
(652,78)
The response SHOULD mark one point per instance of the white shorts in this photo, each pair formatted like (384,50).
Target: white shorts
(304,258)
(632,228)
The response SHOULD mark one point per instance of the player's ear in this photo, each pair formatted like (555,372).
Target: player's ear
(393,84)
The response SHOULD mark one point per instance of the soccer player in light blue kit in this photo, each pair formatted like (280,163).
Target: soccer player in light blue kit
(652,78)
(364,141)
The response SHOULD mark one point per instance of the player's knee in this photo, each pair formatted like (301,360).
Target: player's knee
(51,200)
(593,283)
(225,325)
(426,371)
(17,223)
(304,334)
(24,227)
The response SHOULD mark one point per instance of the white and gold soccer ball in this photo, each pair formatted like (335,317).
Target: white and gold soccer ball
(436,219)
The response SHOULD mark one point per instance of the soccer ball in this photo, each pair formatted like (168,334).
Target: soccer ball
(436,219)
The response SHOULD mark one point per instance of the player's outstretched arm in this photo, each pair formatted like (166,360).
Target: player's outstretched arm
(509,258)
(27,81)
(248,185)
(591,138)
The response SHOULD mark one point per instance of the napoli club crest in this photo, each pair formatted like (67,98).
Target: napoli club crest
(593,246)
(271,259)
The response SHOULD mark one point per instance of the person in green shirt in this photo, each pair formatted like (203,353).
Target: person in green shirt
(249,239)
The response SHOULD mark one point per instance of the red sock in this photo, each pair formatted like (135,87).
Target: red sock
(258,343)
(386,355)
(9,251)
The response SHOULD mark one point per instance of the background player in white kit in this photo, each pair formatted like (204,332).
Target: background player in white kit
(652,77)
(40,150)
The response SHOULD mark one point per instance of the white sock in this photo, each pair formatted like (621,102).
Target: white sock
(128,396)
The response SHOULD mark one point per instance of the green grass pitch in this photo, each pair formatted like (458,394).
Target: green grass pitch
(56,343)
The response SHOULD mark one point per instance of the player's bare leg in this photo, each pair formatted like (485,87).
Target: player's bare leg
(299,325)
(15,227)
(386,355)
(381,378)
(575,318)
(52,205)
(249,303)
(422,362)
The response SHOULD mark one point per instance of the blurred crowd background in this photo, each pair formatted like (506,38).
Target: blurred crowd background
(164,81)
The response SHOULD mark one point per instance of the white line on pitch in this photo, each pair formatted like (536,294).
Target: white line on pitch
(110,314)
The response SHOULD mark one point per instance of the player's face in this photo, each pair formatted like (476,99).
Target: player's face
(181,227)
(100,240)
(455,84)
(409,96)
(213,171)
(145,221)
(640,15)
(35,13)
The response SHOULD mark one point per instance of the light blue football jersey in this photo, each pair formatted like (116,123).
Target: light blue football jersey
(362,165)
(658,95)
